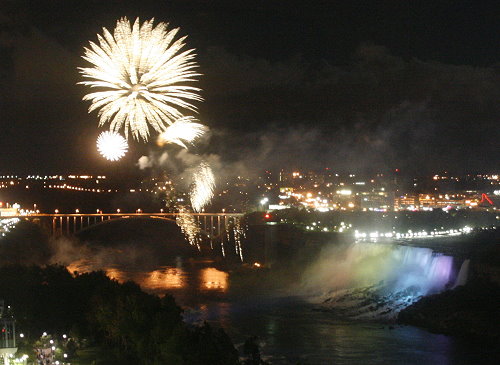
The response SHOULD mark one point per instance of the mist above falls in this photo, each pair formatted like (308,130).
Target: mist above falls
(377,280)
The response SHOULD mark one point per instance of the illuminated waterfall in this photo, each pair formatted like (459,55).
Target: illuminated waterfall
(374,280)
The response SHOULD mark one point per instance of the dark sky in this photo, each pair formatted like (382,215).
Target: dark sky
(352,85)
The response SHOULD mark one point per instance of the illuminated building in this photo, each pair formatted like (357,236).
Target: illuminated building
(376,201)
(7,334)
(455,201)
(409,202)
(8,211)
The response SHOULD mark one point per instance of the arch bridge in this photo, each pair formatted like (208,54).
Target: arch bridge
(212,224)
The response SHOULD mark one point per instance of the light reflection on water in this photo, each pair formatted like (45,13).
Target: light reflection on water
(164,279)
(185,280)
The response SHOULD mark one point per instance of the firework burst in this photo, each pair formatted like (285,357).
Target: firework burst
(140,74)
(111,145)
(202,189)
(182,131)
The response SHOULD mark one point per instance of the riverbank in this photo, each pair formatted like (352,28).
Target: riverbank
(471,311)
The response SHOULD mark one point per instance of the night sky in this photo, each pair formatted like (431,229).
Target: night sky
(351,85)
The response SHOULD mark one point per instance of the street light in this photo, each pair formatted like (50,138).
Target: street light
(263,202)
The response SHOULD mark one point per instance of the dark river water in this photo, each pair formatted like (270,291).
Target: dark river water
(291,327)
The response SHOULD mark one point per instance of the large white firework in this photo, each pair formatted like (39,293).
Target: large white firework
(182,131)
(202,189)
(141,74)
(112,145)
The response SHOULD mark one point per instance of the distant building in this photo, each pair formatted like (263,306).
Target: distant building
(9,212)
(443,201)
(7,334)
(406,202)
(376,201)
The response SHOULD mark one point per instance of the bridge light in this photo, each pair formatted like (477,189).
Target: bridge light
(118,210)
(56,211)
(77,211)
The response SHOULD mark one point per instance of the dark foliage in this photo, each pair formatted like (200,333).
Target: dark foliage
(136,328)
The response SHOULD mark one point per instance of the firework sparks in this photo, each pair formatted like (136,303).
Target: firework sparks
(189,227)
(140,73)
(203,186)
(239,234)
(182,131)
(111,145)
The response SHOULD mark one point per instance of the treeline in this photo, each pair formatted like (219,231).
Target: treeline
(133,327)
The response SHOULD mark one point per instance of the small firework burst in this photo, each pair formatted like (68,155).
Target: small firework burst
(182,131)
(112,146)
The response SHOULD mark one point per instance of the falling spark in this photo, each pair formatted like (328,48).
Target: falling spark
(189,227)
(239,235)
(182,131)
(203,186)
(111,145)
(140,73)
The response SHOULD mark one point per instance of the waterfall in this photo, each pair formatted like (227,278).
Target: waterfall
(378,279)
(462,274)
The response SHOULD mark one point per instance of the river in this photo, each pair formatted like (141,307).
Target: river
(294,326)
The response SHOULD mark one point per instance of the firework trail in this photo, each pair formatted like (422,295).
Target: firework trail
(202,189)
(111,145)
(189,226)
(239,235)
(182,131)
(140,74)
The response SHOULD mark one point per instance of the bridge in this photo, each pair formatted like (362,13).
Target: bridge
(211,224)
